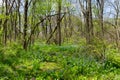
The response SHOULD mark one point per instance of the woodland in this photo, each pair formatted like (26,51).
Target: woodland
(59,39)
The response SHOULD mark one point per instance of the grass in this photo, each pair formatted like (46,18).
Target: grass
(50,62)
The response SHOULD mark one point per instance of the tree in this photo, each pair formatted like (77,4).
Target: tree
(59,23)
(100,7)
(25,25)
(87,13)
(116,7)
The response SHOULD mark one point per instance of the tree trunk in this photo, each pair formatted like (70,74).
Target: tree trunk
(25,24)
(5,22)
(91,34)
(59,24)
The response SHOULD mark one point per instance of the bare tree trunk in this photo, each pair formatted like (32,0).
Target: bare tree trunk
(65,25)
(59,23)
(116,29)
(5,22)
(90,21)
(100,5)
(25,24)
(87,12)
(19,18)
(70,24)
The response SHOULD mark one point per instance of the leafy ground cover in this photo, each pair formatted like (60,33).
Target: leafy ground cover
(50,62)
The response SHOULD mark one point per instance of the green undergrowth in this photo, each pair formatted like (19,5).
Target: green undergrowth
(51,62)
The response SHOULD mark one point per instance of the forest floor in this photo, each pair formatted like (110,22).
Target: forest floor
(50,62)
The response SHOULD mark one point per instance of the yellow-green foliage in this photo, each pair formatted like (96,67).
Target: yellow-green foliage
(50,62)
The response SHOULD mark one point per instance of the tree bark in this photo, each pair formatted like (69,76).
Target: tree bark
(25,24)
(59,23)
